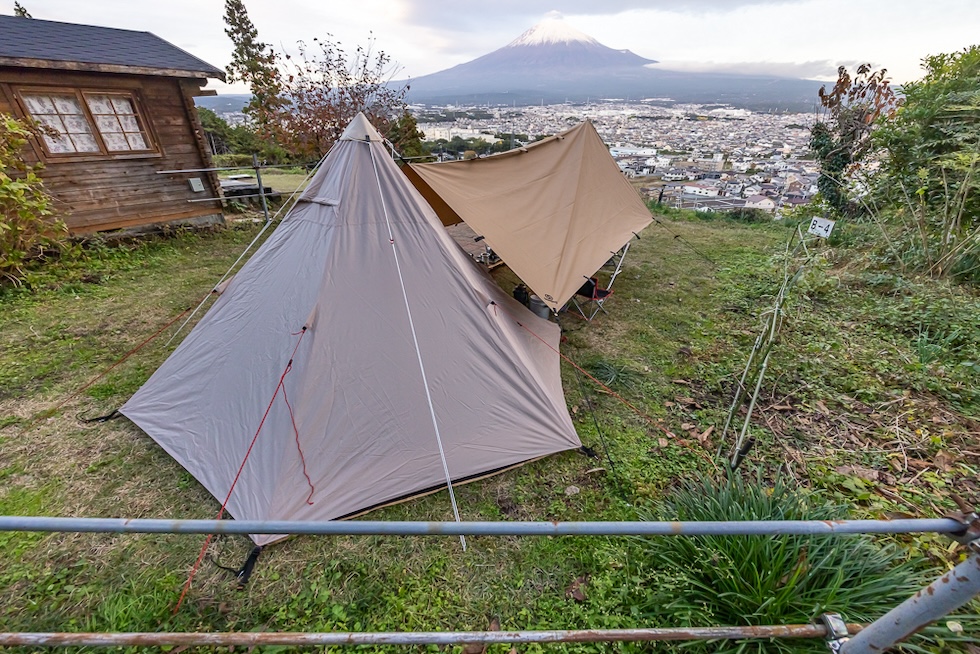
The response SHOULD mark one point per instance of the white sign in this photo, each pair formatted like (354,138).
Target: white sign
(821,227)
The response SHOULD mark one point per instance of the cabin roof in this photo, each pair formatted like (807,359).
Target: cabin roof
(33,43)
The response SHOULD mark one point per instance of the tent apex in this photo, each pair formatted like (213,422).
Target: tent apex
(360,129)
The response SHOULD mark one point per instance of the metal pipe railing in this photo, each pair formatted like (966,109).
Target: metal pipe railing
(951,591)
(249,639)
(946,594)
(395,528)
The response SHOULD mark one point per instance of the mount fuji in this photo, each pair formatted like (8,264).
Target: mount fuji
(554,62)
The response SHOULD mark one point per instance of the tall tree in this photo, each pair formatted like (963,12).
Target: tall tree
(254,63)
(20,11)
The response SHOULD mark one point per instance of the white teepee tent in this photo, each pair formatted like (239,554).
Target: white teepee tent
(358,357)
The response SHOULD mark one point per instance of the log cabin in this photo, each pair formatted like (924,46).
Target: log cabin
(118,108)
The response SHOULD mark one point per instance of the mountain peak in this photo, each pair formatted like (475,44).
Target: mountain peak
(552,30)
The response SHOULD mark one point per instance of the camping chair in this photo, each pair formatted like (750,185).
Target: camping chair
(588,299)
(593,296)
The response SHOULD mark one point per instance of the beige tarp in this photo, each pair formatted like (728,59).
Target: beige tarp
(554,211)
(384,294)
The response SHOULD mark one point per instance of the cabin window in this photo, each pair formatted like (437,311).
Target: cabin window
(68,128)
(118,123)
(88,122)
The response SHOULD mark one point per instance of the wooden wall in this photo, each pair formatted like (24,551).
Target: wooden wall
(123,191)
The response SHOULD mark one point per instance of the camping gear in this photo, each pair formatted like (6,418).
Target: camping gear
(521,295)
(538,306)
(554,211)
(589,298)
(399,362)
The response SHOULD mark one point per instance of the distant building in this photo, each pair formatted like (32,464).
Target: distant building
(760,202)
(702,190)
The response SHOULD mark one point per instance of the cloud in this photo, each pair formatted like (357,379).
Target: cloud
(471,14)
(822,70)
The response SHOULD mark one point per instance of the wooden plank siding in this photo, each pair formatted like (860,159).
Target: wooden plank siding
(97,192)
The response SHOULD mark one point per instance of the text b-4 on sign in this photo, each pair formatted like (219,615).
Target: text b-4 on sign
(821,227)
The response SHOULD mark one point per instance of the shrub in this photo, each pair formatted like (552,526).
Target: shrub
(232,160)
(28,229)
(760,580)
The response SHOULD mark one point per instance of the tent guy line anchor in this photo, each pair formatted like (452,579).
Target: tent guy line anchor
(418,351)
(224,505)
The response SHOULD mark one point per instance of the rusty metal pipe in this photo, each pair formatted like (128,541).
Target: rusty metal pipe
(248,639)
(394,528)
(946,594)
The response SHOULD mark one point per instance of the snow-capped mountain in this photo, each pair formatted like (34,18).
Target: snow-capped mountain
(553,42)
(554,62)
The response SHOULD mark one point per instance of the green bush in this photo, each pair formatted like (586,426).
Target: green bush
(28,230)
(766,580)
(232,160)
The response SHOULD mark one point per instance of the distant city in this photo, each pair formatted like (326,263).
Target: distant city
(702,157)
(706,157)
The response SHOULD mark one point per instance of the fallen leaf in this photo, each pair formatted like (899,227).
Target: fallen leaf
(668,404)
(781,407)
(944,460)
(685,400)
(686,351)
(703,437)
(572,490)
(663,442)
(899,515)
(576,590)
(495,624)
(823,408)
(858,471)
(683,382)
(594,470)
(687,426)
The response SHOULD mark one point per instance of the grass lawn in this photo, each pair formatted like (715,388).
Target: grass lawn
(871,398)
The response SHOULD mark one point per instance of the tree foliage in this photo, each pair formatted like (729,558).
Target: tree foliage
(843,140)
(226,139)
(254,63)
(405,136)
(20,11)
(324,88)
(28,229)
(931,156)
(302,102)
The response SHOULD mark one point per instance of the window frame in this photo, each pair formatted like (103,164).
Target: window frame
(81,95)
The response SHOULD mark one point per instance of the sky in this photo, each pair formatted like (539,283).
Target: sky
(794,38)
